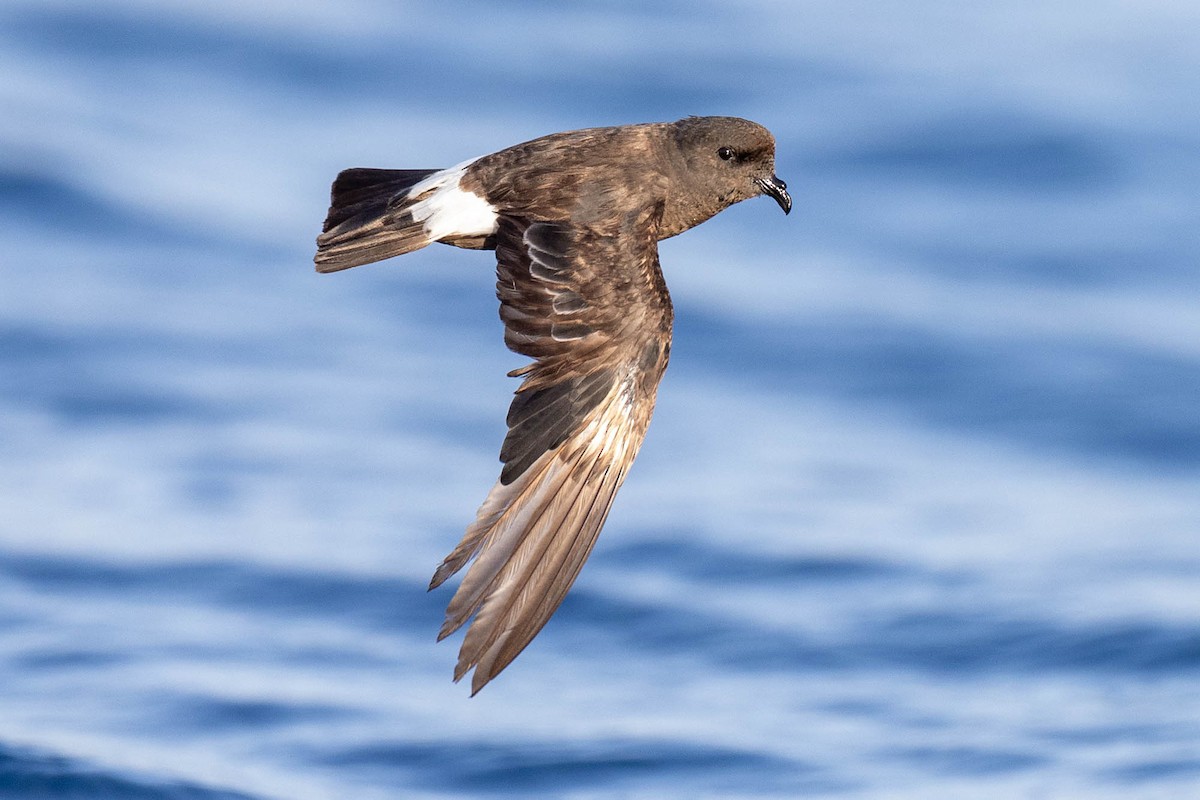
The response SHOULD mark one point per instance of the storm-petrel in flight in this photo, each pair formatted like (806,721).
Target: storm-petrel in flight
(575,219)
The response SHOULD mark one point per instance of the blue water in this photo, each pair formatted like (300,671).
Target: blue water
(918,516)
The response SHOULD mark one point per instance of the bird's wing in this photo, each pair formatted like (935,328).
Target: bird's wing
(591,307)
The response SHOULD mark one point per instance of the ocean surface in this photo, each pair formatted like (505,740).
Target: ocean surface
(919,513)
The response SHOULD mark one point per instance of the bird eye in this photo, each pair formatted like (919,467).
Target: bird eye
(725,153)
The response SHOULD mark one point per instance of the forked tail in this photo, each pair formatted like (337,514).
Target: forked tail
(369,219)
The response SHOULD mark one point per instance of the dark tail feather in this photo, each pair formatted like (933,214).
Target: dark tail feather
(363,225)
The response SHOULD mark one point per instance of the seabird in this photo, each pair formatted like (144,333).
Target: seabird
(575,219)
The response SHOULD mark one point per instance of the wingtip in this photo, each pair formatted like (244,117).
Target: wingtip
(479,680)
(443,571)
(475,684)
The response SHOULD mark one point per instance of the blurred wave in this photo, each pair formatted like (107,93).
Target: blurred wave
(29,776)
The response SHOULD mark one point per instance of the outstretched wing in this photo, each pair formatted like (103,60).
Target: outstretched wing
(591,307)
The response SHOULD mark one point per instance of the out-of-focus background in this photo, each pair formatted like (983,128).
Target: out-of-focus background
(919,514)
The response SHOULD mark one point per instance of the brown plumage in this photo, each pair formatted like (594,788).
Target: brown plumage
(575,219)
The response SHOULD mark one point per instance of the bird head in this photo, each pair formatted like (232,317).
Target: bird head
(727,160)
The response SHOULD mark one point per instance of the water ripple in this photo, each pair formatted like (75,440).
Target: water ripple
(28,776)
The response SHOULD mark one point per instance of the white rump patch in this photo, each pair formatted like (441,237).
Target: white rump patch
(449,210)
